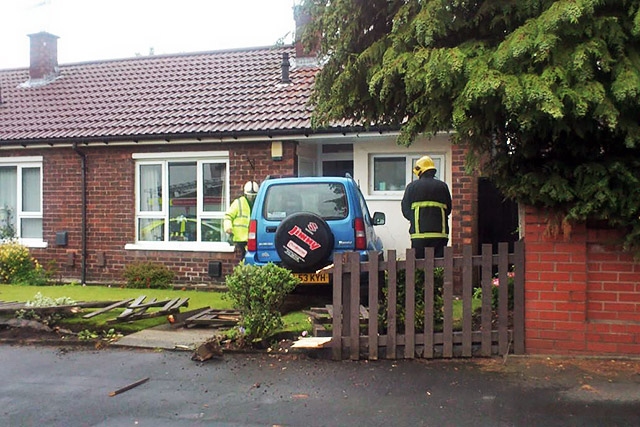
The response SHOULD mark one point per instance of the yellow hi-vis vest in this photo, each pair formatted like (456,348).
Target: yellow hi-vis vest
(435,231)
(237,218)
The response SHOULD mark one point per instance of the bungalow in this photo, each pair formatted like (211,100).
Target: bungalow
(107,163)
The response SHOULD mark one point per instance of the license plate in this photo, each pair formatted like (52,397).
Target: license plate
(312,278)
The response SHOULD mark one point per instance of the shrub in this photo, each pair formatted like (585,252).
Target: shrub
(39,300)
(148,275)
(495,291)
(438,282)
(18,267)
(258,293)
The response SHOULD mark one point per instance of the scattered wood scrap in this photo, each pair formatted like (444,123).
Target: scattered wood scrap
(13,306)
(137,309)
(129,387)
(107,308)
(214,317)
(207,350)
(322,319)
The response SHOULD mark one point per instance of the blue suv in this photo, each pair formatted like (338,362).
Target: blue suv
(300,223)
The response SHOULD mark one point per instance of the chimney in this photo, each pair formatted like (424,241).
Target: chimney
(302,19)
(44,56)
(285,68)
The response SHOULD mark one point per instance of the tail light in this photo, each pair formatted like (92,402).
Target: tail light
(361,236)
(252,243)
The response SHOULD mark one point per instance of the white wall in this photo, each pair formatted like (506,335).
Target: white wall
(395,234)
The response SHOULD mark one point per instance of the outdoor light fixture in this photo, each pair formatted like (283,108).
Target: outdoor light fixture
(276,150)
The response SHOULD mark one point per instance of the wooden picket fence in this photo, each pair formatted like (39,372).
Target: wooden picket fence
(482,333)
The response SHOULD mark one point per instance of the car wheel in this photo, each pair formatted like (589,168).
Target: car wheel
(303,241)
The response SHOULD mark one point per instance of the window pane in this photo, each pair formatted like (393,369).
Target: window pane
(182,201)
(325,199)
(212,230)
(151,229)
(389,173)
(213,175)
(31,189)
(8,201)
(31,228)
(151,188)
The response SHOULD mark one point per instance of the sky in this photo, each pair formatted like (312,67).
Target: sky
(90,30)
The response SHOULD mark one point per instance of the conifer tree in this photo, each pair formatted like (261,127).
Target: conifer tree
(545,94)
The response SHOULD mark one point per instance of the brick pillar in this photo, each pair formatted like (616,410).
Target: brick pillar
(464,194)
(555,288)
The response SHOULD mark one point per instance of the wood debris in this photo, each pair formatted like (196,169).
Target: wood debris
(207,350)
(129,387)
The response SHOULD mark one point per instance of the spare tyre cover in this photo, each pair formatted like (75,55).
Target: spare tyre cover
(303,241)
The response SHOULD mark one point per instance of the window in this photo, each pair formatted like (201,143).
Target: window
(327,200)
(21,199)
(394,172)
(182,198)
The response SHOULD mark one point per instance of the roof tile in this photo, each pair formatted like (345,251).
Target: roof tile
(213,92)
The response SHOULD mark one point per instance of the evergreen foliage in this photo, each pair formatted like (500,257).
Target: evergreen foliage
(544,93)
(258,293)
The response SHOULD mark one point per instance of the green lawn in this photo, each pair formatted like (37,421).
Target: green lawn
(294,322)
(197,299)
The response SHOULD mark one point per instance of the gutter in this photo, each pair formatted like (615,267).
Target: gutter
(83,161)
(216,137)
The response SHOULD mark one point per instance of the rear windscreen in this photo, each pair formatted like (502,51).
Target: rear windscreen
(327,200)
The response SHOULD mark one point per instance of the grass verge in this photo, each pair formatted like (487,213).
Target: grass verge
(295,322)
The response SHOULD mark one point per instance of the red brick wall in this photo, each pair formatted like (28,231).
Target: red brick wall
(111,211)
(464,195)
(582,293)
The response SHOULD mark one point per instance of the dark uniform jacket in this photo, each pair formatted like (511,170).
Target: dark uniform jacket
(427,205)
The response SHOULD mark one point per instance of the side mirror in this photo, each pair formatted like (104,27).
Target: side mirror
(379,218)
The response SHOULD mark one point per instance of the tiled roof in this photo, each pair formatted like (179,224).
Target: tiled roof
(214,93)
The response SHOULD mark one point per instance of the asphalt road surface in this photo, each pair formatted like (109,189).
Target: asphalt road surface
(47,386)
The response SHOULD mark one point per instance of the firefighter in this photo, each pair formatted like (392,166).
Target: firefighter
(427,205)
(236,219)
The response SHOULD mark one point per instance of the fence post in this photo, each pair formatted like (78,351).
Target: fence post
(503,298)
(391,308)
(354,306)
(374,286)
(336,335)
(428,302)
(410,304)
(447,326)
(467,296)
(487,272)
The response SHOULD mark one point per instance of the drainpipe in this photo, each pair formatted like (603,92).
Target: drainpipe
(83,160)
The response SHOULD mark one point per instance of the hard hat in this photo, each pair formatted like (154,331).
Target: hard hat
(423,164)
(250,188)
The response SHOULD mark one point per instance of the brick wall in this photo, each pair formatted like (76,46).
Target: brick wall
(582,293)
(464,195)
(111,211)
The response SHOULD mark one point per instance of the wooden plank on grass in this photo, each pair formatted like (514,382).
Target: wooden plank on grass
(183,302)
(108,308)
(129,310)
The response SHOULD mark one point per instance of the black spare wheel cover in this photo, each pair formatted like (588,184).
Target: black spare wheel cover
(303,240)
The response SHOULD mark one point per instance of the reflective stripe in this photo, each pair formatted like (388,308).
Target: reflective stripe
(415,206)
(238,218)
(429,236)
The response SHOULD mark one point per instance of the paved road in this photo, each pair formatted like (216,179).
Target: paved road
(46,386)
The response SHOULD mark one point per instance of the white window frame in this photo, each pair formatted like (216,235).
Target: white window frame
(410,160)
(163,159)
(25,163)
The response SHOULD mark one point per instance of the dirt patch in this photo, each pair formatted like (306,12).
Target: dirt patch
(565,370)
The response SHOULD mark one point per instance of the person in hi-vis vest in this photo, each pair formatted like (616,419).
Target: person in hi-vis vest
(236,219)
(427,205)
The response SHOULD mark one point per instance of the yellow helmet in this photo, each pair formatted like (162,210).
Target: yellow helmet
(423,164)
